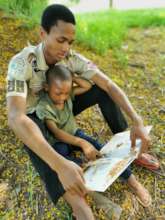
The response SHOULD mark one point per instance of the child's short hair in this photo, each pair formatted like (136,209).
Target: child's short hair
(58,72)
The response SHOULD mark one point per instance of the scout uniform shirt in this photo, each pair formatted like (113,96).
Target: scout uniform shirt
(63,118)
(26,73)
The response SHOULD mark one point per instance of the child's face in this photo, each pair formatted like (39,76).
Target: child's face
(59,91)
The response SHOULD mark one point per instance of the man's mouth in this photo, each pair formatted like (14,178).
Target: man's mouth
(61,55)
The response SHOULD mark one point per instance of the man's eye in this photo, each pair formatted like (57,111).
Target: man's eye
(60,41)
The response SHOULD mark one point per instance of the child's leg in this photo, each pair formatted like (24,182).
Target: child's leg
(65,150)
(61,148)
(79,206)
(126,174)
(94,142)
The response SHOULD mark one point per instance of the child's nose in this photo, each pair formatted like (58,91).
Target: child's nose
(63,97)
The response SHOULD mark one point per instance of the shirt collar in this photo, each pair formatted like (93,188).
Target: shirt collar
(41,62)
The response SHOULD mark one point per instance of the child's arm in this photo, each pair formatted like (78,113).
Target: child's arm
(90,152)
(82,85)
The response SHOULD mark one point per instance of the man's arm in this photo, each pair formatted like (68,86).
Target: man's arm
(119,97)
(31,136)
(82,85)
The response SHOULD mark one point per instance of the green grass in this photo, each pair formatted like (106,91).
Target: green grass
(144,18)
(98,31)
(30,11)
(103,30)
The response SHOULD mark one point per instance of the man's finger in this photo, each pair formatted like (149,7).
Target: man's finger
(75,190)
(92,156)
(83,189)
(140,154)
(72,191)
(82,176)
(99,154)
(78,190)
(133,141)
(148,141)
(82,184)
(144,147)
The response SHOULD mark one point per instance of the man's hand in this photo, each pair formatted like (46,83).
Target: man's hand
(139,131)
(71,177)
(90,152)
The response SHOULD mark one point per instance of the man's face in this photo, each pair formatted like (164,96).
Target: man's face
(59,91)
(58,42)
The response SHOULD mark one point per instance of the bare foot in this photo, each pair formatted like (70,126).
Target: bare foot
(141,193)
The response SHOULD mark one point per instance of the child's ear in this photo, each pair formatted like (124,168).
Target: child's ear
(46,88)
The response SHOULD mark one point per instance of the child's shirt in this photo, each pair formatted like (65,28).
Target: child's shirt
(64,118)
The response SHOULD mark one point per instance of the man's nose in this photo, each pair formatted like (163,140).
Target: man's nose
(66,47)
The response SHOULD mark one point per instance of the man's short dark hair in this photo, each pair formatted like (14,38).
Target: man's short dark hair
(58,72)
(56,12)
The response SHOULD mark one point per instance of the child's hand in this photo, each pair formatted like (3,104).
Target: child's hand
(90,152)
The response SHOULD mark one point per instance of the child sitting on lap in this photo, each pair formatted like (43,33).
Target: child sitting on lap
(55,110)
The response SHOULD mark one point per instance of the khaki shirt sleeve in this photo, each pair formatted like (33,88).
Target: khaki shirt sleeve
(82,66)
(44,112)
(17,77)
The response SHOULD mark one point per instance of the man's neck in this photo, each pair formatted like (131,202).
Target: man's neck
(48,58)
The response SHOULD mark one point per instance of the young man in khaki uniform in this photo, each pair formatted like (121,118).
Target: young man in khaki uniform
(26,75)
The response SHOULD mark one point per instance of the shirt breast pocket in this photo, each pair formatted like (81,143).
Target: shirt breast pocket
(37,82)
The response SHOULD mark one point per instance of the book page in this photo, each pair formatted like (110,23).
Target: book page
(117,156)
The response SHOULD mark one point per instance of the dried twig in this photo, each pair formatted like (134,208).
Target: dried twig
(155,189)
(137,65)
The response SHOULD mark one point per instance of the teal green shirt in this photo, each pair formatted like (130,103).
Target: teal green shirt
(64,119)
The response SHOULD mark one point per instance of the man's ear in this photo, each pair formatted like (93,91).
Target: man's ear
(43,33)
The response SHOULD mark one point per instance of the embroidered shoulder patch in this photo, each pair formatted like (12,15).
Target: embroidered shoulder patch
(16,86)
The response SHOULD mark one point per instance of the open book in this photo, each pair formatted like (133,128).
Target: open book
(117,156)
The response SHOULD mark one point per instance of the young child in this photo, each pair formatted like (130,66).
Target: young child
(55,110)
